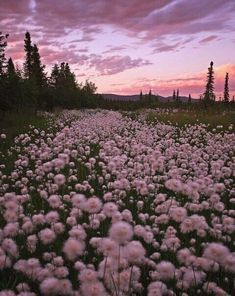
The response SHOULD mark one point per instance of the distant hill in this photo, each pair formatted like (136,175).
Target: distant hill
(114,97)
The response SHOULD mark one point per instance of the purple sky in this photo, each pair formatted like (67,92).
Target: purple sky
(124,46)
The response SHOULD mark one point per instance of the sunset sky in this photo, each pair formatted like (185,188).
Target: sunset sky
(128,45)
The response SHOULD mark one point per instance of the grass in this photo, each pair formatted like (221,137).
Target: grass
(12,124)
(15,123)
(182,117)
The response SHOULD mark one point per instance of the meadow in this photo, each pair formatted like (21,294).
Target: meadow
(96,203)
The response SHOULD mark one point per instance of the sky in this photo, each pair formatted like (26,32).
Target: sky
(125,46)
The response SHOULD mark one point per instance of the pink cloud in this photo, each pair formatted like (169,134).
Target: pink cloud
(163,47)
(194,85)
(149,18)
(51,56)
(208,39)
(115,48)
(115,64)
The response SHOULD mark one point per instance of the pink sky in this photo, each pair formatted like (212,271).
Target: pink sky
(124,46)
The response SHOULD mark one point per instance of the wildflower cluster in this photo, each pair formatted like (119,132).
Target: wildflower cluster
(109,205)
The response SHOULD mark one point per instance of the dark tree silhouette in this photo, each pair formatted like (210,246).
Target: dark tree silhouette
(209,92)
(28,64)
(226,89)
(11,71)
(54,78)
(38,74)
(89,87)
(3,44)
(3,81)
(13,84)
(150,97)
(189,99)
(141,96)
(174,96)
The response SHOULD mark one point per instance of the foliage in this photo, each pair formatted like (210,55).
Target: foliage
(209,95)
(226,89)
(33,90)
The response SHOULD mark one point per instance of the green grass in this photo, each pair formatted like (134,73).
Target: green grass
(12,124)
(182,117)
(15,123)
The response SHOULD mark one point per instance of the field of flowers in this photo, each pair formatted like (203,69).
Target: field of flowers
(104,204)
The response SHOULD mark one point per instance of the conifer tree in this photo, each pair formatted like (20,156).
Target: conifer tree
(14,98)
(3,80)
(226,89)
(141,96)
(150,97)
(28,64)
(37,68)
(189,99)
(174,96)
(54,79)
(3,44)
(69,77)
(177,95)
(209,92)
(11,71)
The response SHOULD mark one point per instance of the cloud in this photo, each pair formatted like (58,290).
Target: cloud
(163,47)
(139,19)
(146,21)
(14,9)
(194,85)
(115,64)
(51,56)
(208,39)
(114,48)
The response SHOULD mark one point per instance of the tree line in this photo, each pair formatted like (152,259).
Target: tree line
(31,87)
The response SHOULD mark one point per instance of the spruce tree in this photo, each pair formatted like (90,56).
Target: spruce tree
(37,68)
(11,72)
(141,96)
(28,64)
(54,79)
(226,89)
(177,95)
(69,77)
(174,96)
(189,99)
(3,44)
(3,80)
(150,97)
(209,92)
(14,98)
